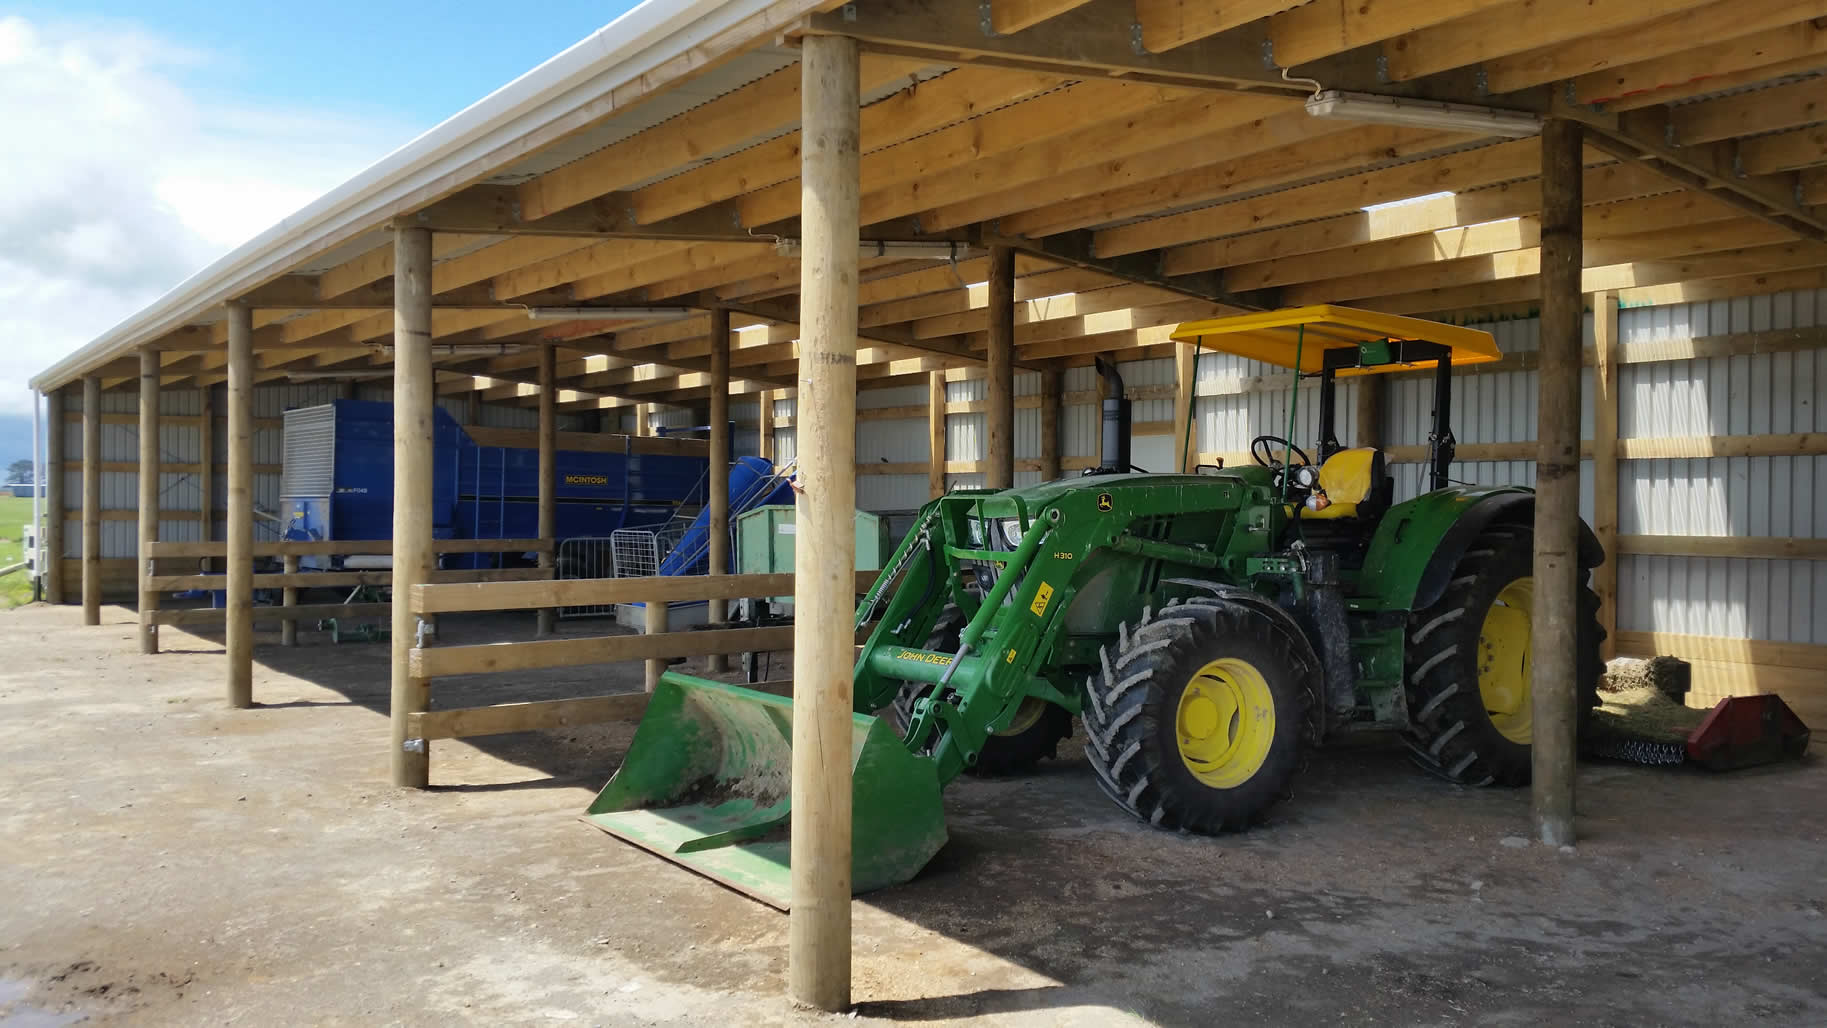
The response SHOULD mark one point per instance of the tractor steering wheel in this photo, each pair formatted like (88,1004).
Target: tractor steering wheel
(1267,450)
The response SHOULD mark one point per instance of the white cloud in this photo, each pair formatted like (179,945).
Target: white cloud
(121,178)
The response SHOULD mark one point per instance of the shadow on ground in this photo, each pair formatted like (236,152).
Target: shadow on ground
(1371,895)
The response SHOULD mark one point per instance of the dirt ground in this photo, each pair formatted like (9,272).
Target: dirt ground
(165,860)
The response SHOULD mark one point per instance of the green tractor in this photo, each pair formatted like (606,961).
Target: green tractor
(1204,628)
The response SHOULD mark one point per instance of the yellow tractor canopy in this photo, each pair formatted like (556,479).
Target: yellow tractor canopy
(1276,337)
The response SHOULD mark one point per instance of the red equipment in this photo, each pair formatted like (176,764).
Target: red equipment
(1743,731)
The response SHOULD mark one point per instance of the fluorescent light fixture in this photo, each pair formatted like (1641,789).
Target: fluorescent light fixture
(608,313)
(1434,114)
(910,249)
(464,349)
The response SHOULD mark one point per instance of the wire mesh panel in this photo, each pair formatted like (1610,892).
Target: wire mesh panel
(586,557)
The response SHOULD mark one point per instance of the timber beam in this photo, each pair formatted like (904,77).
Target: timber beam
(1075,249)
(304,292)
(496,211)
(1096,40)
(786,311)
(1102,39)
(1710,168)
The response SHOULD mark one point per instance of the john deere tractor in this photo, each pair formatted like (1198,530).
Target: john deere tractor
(1204,628)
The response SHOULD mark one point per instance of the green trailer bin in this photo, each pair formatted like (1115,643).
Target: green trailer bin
(764,544)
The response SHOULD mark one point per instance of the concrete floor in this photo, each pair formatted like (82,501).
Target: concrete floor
(165,860)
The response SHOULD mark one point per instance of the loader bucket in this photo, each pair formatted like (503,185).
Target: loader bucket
(706,784)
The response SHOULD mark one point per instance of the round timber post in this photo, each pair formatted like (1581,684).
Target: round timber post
(1554,651)
(935,434)
(548,474)
(999,408)
(91,500)
(149,497)
(56,506)
(824,579)
(1051,383)
(414,408)
(239,528)
(719,525)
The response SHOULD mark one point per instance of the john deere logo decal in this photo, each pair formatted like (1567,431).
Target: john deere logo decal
(1104,502)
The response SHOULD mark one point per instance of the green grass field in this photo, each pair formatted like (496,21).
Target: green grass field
(15,512)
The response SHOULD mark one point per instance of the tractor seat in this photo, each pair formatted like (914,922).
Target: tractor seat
(1350,479)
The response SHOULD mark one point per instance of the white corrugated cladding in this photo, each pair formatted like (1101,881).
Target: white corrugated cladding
(179,443)
(892,441)
(1749,394)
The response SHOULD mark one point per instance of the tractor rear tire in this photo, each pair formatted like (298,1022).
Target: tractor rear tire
(1473,728)
(1196,720)
(1034,736)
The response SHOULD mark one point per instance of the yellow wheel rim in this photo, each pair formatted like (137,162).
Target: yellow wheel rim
(1225,722)
(1503,661)
(1026,716)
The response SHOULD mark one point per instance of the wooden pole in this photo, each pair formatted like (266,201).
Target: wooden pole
(1605,463)
(1554,655)
(206,487)
(414,406)
(643,419)
(1051,385)
(548,473)
(818,927)
(1186,444)
(655,624)
(55,503)
(238,526)
(91,500)
(764,426)
(1373,393)
(718,610)
(999,410)
(149,496)
(288,597)
(935,434)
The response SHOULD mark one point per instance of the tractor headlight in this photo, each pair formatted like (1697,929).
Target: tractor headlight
(1010,529)
(1306,476)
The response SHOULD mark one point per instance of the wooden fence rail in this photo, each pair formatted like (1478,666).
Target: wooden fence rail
(290,612)
(655,647)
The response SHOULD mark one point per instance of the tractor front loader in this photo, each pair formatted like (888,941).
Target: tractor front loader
(1204,628)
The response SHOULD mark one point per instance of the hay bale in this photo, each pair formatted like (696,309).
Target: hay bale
(1670,676)
(1645,712)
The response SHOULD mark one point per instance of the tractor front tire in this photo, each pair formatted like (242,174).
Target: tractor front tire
(1196,720)
(1033,736)
(1467,668)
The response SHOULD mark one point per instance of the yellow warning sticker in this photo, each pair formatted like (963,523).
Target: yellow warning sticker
(1011,658)
(1042,597)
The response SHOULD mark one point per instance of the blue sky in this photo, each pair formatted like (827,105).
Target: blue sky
(151,138)
(343,55)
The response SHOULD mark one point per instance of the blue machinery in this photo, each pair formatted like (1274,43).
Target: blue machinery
(338,482)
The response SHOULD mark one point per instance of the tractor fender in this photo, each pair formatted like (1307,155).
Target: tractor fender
(1279,617)
(1493,508)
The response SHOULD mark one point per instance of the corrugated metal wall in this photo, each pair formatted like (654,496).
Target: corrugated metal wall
(1748,394)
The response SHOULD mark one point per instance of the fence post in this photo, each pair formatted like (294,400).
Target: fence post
(288,628)
(656,625)
(149,496)
(239,631)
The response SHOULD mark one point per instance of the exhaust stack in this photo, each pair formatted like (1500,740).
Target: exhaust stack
(1113,454)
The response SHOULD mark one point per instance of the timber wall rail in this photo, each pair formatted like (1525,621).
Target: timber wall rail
(291,579)
(654,647)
